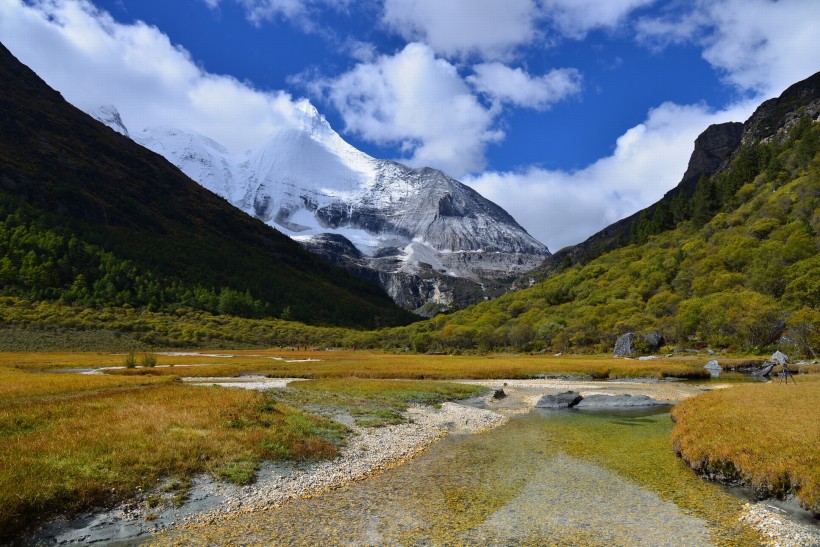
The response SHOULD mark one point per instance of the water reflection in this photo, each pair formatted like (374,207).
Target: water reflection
(545,478)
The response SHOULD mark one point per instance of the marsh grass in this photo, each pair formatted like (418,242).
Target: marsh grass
(767,435)
(366,364)
(371,403)
(85,441)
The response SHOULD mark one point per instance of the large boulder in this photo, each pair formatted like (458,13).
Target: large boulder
(559,400)
(714,368)
(601,401)
(631,343)
(654,341)
(766,370)
(780,358)
(625,345)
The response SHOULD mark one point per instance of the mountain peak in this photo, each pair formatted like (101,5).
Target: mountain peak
(110,116)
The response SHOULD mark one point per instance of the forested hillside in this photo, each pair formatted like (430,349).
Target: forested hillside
(89,218)
(740,270)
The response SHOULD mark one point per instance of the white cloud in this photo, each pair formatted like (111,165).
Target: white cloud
(459,28)
(758,45)
(575,18)
(93,60)
(562,208)
(492,29)
(421,103)
(514,86)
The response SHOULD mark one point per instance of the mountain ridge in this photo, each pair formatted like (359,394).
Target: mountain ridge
(714,149)
(68,176)
(413,228)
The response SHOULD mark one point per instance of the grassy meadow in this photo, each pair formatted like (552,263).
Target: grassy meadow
(767,435)
(365,364)
(75,441)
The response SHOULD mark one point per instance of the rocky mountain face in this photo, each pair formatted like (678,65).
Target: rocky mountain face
(713,151)
(90,217)
(429,240)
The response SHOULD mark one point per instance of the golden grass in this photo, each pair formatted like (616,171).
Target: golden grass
(18,387)
(64,454)
(365,364)
(766,434)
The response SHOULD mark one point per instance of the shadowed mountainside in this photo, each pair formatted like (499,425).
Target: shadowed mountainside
(92,217)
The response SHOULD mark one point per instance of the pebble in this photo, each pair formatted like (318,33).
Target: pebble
(780,532)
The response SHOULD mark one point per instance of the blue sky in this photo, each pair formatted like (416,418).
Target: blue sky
(568,113)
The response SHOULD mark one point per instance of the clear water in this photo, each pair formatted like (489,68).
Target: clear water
(565,478)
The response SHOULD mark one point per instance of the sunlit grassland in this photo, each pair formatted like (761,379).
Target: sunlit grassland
(768,435)
(75,441)
(365,364)
(85,441)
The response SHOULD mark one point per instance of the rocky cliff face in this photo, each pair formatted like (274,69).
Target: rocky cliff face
(429,240)
(713,152)
(712,148)
(779,115)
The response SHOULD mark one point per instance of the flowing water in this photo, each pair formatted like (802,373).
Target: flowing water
(565,477)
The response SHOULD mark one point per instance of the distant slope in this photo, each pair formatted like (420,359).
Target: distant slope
(741,270)
(714,149)
(91,217)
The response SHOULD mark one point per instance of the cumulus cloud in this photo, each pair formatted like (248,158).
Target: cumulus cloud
(492,30)
(419,102)
(93,60)
(760,46)
(575,18)
(458,28)
(517,87)
(562,208)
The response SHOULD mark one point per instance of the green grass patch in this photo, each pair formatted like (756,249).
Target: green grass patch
(767,435)
(371,402)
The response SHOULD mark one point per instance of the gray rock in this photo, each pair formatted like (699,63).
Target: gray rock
(559,400)
(710,352)
(766,370)
(654,341)
(618,401)
(714,368)
(624,345)
(780,358)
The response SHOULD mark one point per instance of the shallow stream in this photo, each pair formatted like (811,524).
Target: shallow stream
(547,477)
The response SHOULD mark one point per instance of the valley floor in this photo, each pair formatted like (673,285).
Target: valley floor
(212,505)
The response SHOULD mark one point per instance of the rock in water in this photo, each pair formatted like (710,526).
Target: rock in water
(714,368)
(780,358)
(624,345)
(499,394)
(601,401)
(766,370)
(559,400)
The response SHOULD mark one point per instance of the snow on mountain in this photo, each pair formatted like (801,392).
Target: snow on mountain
(411,228)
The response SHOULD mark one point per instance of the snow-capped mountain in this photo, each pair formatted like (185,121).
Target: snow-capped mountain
(422,235)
